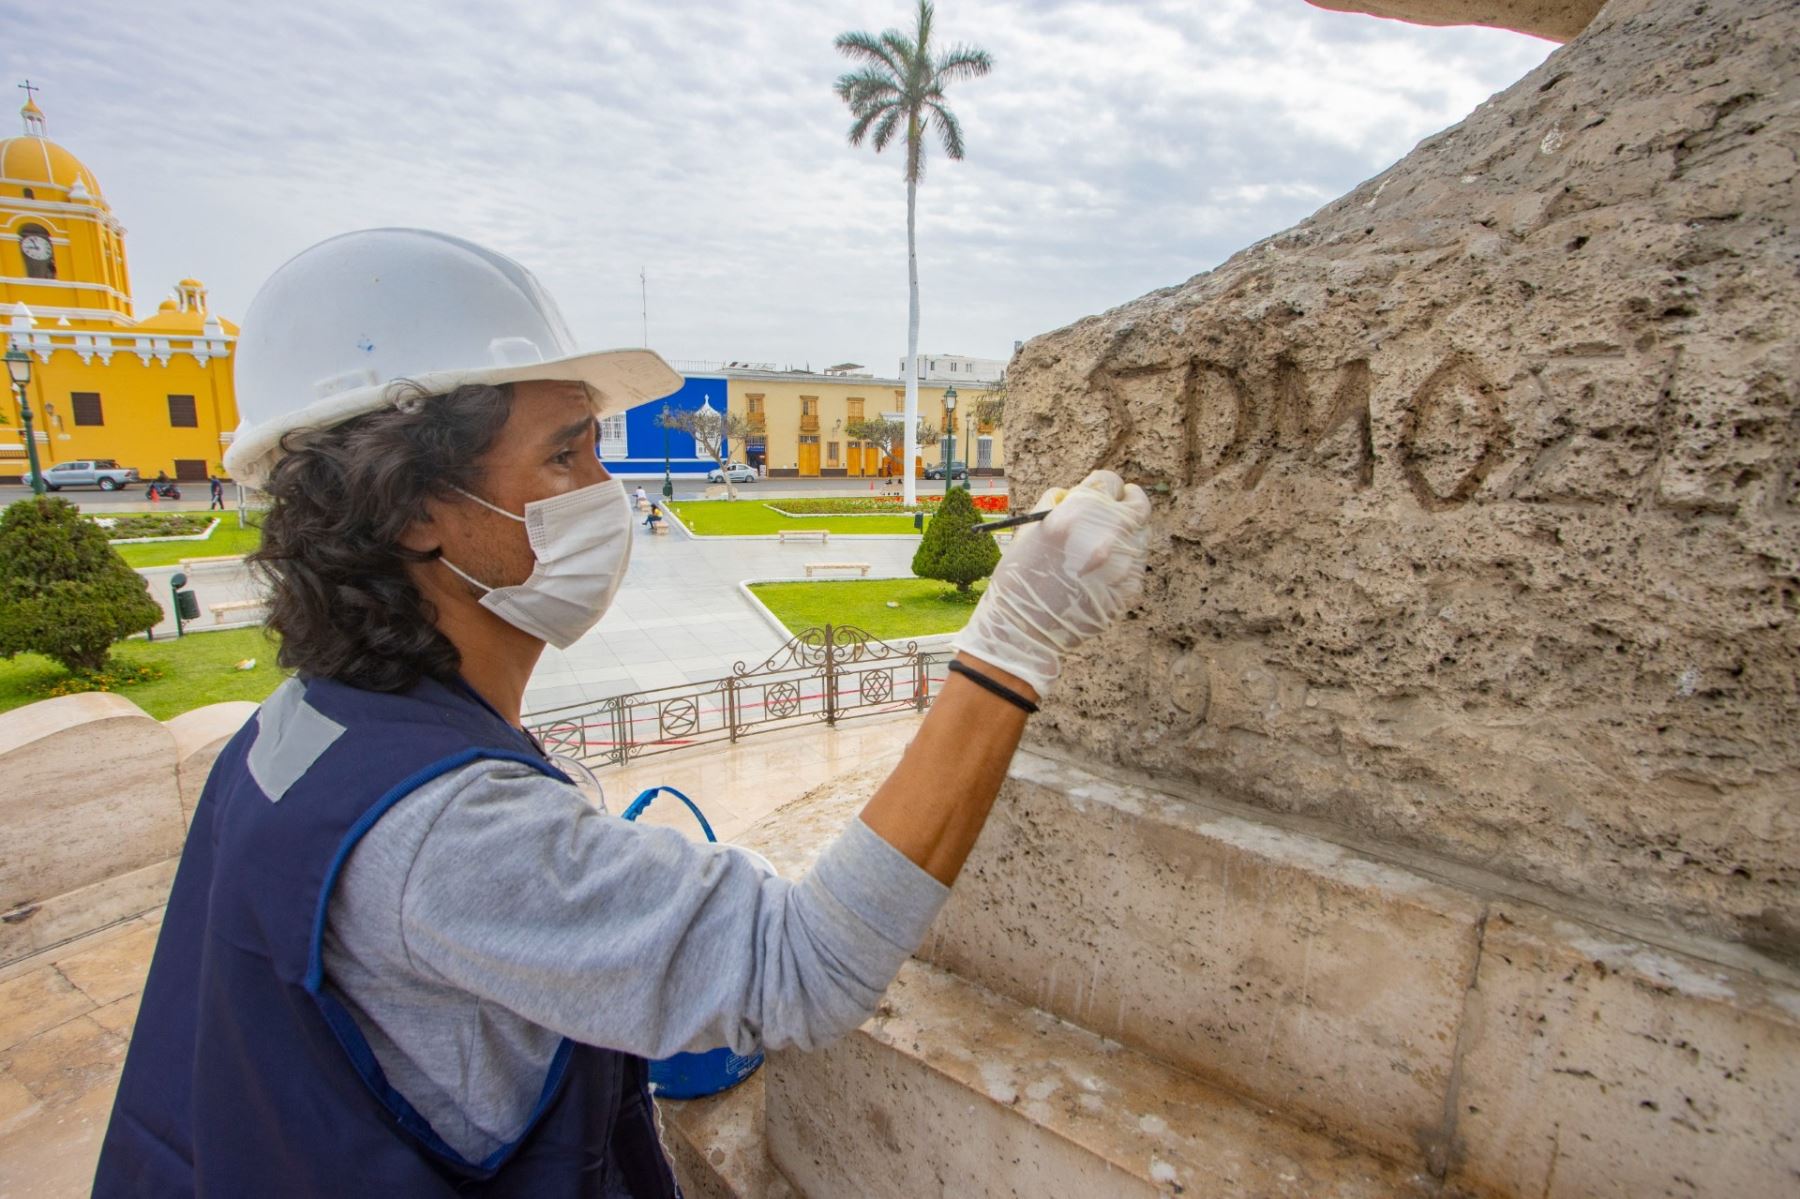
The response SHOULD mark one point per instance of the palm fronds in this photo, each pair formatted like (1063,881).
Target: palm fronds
(899,86)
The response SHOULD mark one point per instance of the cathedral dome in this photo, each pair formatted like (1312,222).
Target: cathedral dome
(33,160)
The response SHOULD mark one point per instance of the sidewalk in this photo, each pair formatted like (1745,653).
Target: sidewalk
(66,1014)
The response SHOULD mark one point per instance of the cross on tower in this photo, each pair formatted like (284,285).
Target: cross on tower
(30,87)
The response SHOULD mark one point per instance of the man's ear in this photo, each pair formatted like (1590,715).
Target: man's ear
(425,535)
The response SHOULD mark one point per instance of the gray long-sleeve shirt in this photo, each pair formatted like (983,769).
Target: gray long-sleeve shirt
(493,912)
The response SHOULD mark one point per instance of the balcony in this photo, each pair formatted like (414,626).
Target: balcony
(809,424)
(757,422)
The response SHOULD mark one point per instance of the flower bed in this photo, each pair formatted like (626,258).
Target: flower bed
(136,525)
(876,504)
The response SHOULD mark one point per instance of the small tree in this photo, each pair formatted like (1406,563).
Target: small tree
(710,428)
(64,592)
(951,549)
(888,436)
(990,409)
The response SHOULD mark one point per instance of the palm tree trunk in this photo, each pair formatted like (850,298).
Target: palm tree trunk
(910,491)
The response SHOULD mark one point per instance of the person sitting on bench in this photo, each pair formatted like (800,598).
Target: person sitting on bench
(655,517)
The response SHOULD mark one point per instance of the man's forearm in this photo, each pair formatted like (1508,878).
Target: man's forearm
(933,807)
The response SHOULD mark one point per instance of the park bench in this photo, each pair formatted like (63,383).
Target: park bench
(819,535)
(220,611)
(191,564)
(659,528)
(861,568)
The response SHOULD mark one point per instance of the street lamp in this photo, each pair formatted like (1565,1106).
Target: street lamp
(18,366)
(668,482)
(950,441)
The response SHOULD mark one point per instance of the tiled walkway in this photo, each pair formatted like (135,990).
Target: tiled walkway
(66,1014)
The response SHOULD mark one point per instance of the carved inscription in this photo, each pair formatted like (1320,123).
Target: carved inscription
(1195,420)
(1453,435)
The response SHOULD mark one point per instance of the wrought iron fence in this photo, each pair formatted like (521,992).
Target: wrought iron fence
(823,675)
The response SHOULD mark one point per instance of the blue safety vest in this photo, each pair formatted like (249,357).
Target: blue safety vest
(246,1076)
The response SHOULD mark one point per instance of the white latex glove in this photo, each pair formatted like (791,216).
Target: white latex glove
(1063,580)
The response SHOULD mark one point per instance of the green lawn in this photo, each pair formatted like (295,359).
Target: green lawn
(226,539)
(197,670)
(923,609)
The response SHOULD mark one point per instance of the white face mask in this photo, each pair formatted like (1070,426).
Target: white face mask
(582,542)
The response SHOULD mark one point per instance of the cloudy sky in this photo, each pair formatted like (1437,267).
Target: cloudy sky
(1118,146)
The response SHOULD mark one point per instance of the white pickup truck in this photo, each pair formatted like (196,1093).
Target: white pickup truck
(103,473)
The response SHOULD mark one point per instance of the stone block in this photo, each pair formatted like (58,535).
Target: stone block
(1311,978)
(47,923)
(717,1146)
(951,1090)
(1597,1065)
(91,793)
(1477,493)
(199,736)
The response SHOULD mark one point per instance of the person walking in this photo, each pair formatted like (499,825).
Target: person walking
(403,955)
(217,488)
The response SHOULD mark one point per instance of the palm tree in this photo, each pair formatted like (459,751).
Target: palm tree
(902,81)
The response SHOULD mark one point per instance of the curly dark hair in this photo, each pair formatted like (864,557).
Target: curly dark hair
(341,600)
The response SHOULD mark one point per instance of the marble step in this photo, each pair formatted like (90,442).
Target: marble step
(717,1145)
(953,1090)
(1492,1035)
(1496,1036)
(1272,963)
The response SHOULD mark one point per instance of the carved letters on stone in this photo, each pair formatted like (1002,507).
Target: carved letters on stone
(1452,434)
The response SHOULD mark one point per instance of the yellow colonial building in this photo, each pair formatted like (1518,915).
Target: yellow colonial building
(799,423)
(155,394)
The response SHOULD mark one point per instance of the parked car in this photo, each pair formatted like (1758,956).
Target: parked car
(737,470)
(958,470)
(103,473)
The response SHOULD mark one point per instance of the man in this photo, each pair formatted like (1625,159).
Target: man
(402,955)
(216,489)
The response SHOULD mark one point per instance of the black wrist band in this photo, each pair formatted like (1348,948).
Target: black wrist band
(994,685)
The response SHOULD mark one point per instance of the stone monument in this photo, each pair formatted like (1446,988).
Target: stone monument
(1479,490)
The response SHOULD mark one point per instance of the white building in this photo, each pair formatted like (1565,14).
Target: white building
(958,368)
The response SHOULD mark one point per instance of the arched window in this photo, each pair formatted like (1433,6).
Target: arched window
(40,255)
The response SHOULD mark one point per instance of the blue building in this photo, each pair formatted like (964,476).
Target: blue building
(632,442)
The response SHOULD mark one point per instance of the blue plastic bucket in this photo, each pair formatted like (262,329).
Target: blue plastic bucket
(692,1075)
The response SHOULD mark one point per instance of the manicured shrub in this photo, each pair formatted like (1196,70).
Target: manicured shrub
(951,550)
(64,592)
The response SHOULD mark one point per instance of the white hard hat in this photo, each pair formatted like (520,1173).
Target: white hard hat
(332,331)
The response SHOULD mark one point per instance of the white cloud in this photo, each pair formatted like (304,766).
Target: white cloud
(1117,147)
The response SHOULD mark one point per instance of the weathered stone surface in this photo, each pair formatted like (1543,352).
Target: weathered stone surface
(90,794)
(47,923)
(951,1090)
(1283,967)
(199,736)
(1595,1065)
(717,1146)
(1558,20)
(1480,520)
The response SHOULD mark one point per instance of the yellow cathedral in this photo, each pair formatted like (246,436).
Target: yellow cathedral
(155,394)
